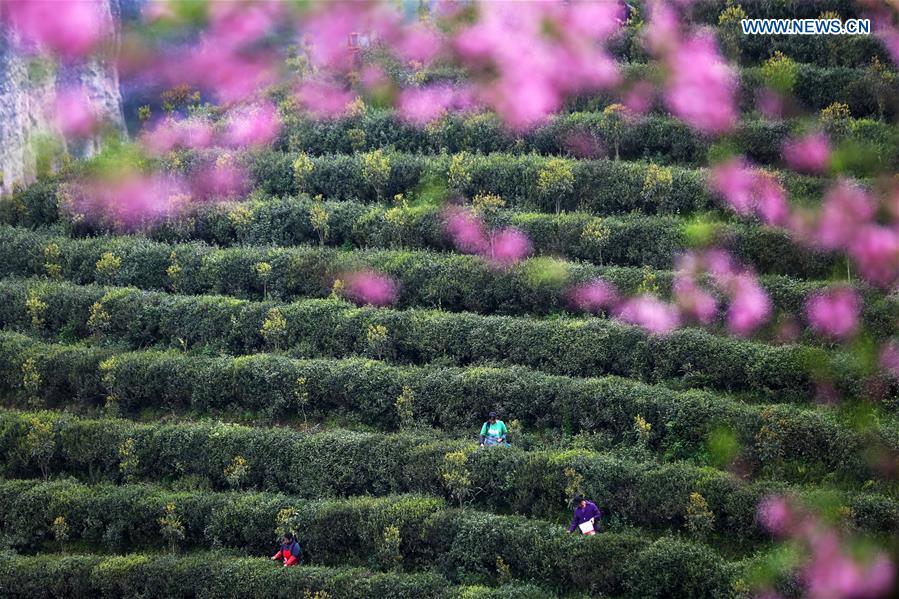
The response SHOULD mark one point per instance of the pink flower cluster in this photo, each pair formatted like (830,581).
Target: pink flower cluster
(750,191)
(808,154)
(829,569)
(834,312)
(369,287)
(76,115)
(701,88)
(469,234)
(517,48)
(244,126)
(749,305)
(69,29)
(645,311)
(130,201)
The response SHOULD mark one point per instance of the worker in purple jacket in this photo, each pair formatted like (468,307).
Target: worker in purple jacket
(585,511)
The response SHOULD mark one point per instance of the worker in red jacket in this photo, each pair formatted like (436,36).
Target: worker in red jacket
(290,550)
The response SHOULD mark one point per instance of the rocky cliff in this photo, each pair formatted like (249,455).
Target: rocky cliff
(28,87)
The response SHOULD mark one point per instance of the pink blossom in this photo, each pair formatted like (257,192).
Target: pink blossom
(324,99)
(466,231)
(663,31)
(369,287)
(333,32)
(846,210)
(770,104)
(774,514)
(508,245)
(422,105)
(518,47)
(809,154)
(418,43)
(594,296)
(875,252)
(128,201)
(252,126)
(649,313)
(771,205)
(75,113)
(71,29)
(693,301)
(834,312)
(170,134)
(221,181)
(749,191)
(702,87)
(639,98)
(889,357)
(236,25)
(735,181)
(749,307)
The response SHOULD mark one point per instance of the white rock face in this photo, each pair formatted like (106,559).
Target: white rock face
(27,97)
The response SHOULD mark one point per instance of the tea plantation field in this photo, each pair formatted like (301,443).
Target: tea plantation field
(177,395)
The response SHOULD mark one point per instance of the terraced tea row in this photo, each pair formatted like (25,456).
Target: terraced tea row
(627,240)
(601,187)
(187,576)
(426,279)
(865,91)
(627,483)
(586,134)
(333,328)
(460,544)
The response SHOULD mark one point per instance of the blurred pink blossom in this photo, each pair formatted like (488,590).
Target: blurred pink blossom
(332,33)
(220,181)
(418,43)
(129,201)
(466,231)
(749,307)
(594,296)
(508,245)
(770,104)
(875,252)
(693,301)
(828,570)
(889,357)
(649,313)
(774,515)
(749,191)
(640,98)
(70,29)
(846,210)
(809,154)
(235,25)
(324,99)
(252,126)
(702,87)
(518,47)
(834,312)
(422,105)
(75,113)
(369,287)
(170,134)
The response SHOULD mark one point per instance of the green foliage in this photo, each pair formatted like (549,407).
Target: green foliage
(456,475)
(555,182)
(215,574)
(394,530)
(780,73)
(535,483)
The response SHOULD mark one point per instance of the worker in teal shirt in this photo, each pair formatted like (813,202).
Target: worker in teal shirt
(493,432)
